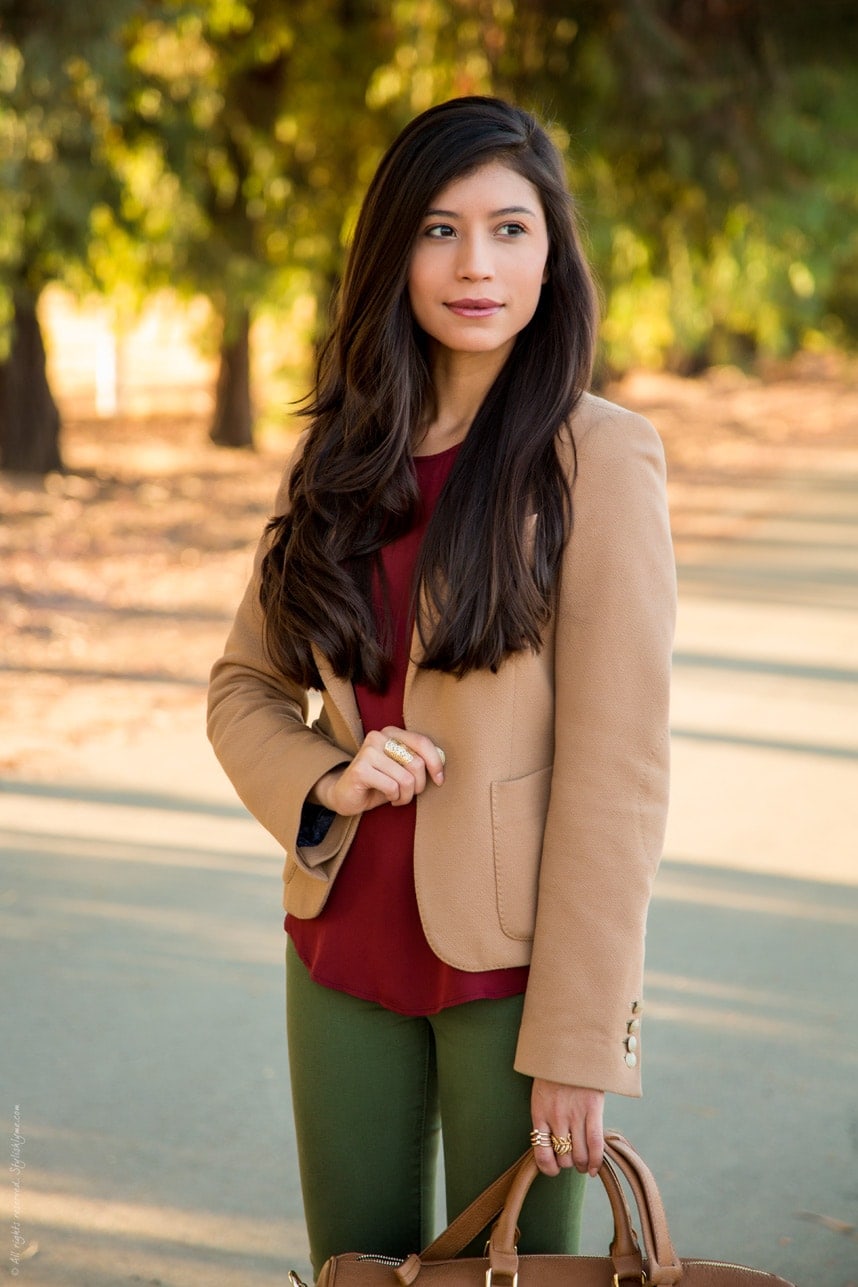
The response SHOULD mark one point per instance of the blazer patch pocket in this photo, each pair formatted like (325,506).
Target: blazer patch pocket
(519,808)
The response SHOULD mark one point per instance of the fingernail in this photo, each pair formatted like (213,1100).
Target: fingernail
(439,778)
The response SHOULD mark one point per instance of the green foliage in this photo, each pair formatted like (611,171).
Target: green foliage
(237,100)
(223,146)
(712,151)
(57,118)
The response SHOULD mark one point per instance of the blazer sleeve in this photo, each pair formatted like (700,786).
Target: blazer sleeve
(257,727)
(607,813)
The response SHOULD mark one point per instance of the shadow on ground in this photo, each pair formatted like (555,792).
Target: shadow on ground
(143,1036)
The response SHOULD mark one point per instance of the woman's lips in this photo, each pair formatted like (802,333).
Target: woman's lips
(474,307)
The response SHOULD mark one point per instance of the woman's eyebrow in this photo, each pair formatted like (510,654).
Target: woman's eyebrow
(493,214)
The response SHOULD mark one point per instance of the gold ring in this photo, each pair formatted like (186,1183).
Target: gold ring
(562,1144)
(398,751)
(540,1139)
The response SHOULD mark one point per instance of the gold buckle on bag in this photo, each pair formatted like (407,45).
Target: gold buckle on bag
(490,1283)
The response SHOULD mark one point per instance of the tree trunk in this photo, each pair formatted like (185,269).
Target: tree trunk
(233,416)
(29,419)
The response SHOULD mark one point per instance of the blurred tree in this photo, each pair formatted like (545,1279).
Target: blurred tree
(711,144)
(259,110)
(55,115)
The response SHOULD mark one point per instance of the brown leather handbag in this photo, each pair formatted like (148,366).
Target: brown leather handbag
(650,1260)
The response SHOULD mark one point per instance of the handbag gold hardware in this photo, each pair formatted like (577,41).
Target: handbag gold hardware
(490,1280)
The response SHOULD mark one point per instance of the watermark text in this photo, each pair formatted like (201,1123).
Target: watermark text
(16,1170)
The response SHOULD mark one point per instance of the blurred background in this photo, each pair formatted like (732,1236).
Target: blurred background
(178,181)
(217,150)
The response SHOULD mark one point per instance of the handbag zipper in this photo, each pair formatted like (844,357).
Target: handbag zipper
(393,1261)
(723,1264)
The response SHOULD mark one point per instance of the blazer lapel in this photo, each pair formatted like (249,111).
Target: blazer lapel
(342,695)
(413,662)
(415,657)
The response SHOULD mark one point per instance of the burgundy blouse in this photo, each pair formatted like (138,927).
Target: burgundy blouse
(368,940)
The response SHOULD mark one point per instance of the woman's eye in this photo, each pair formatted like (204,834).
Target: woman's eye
(512,229)
(440,230)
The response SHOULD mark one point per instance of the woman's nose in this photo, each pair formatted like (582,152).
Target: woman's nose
(475,260)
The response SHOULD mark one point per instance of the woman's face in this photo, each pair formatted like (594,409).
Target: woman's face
(478,264)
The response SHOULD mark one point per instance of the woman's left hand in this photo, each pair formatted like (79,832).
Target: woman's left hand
(568,1111)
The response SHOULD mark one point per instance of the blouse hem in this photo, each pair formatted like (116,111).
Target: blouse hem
(423,1012)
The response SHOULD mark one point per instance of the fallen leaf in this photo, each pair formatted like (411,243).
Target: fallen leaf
(831,1223)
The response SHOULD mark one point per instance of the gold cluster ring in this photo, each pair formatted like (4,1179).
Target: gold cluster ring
(398,751)
(561,1144)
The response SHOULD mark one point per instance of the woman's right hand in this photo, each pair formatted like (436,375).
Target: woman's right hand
(373,778)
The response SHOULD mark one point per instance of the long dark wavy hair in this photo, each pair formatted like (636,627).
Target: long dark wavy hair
(483,587)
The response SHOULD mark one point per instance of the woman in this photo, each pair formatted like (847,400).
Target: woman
(471,560)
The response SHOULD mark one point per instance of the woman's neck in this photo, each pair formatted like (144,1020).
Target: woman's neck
(460,382)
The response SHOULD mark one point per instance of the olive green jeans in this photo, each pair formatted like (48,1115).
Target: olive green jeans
(372,1093)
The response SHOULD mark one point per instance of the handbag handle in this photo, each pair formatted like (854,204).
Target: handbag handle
(502,1251)
(506,1195)
(663,1265)
(468,1223)
(662,1261)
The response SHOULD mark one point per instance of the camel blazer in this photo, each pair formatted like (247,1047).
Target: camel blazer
(542,844)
